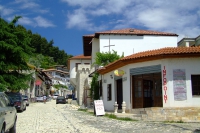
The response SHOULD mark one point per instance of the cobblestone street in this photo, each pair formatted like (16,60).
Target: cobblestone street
(62,118)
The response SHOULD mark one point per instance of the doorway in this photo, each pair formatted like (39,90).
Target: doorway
(119,93)
(147,90)
(147,93)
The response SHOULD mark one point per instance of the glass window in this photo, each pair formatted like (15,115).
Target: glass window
(77,66)
(195,80)
(109,94)
(2,101)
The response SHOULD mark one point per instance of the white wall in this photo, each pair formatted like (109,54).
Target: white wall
(95,48)
(73,66)
(126,84)
(191,66)
(130,44)
(108,105)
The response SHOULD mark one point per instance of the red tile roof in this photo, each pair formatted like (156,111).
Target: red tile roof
(130,31)
(169,52)
(163,51)
(49,70)
(81,57)
(91,35)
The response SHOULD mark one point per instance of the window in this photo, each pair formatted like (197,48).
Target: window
(77,66)
(195,79)
(100,87)
(109,94)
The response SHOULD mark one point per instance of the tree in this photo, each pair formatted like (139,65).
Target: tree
(101,59)
(14,52)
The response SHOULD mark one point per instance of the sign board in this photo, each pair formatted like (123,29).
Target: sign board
(179,83)
(99,107)
(38,82)
(119,72)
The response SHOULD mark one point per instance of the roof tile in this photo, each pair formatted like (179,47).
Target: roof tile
(135,32)
(153,53)
(163,51)
(80,57)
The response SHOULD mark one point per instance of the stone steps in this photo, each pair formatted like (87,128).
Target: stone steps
(168,114)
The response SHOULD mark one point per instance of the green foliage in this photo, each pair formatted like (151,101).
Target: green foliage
(103,59)
(113,116)
(180,121)
(94,90)
(42,46)
(84,110)
(41,61)
(58,86)
(14,50)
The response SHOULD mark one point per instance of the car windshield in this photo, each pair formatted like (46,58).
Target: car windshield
(14,97)
(25,97)
(60,97)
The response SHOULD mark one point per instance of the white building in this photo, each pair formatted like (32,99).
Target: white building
(124,41)
(127,41)
(59,77)
(79,68)
(166,78)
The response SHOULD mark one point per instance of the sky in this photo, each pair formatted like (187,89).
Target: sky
(66,21)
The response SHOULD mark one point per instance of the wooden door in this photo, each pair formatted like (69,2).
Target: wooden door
(147,93)
(137,95)
(119,93)
(158,101)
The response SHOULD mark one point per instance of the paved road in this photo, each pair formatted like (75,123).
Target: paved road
(64,118)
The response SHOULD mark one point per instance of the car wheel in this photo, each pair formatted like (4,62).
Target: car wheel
(3,129)
(25,108)
(13,129)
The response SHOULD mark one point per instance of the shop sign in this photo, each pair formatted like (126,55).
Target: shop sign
(179,84)
(38,82)
(165,84)
(99,107)
(119,72)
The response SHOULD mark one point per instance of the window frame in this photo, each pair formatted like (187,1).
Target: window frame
(195,83)
(77,66)
(109,92)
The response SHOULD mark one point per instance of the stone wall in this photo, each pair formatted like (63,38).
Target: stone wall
(184,114)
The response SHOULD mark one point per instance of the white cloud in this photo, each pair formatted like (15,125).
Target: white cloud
(41,22)
(29,5)
(26,21)
(83,3)
(5,11)
(79,20)
(169,15)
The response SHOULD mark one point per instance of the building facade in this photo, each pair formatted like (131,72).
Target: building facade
(167,77)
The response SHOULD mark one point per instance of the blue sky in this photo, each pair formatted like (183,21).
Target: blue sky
(66,21)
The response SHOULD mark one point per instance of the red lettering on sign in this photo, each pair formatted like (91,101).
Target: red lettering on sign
(165,98)
(165,88)
(165,84)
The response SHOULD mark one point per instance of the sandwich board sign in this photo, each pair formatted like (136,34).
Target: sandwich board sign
(99,107)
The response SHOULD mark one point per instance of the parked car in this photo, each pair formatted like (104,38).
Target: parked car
(39,99)
(17,98)
(55,96)
(8,114)
(69,96)
(25,98)
(60,99)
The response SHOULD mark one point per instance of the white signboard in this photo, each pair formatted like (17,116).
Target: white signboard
(99,107)
(179,82)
